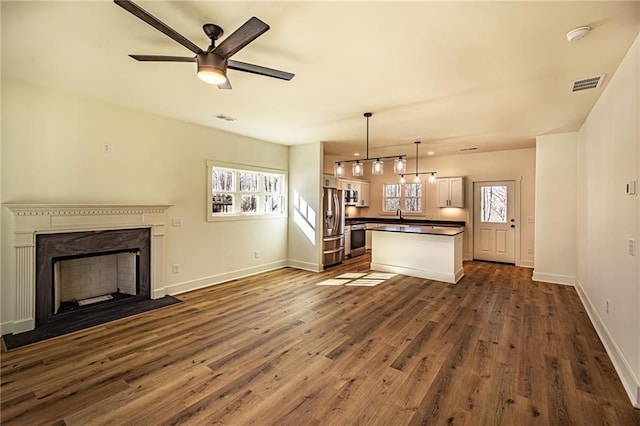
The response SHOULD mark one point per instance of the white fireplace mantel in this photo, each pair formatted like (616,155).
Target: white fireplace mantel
(31,219)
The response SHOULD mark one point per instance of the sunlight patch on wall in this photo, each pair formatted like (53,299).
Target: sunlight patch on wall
(305,217)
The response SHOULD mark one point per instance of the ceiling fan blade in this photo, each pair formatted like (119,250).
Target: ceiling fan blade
(249,31)
(136,10)
(257,69)
(159,58)
(226,85)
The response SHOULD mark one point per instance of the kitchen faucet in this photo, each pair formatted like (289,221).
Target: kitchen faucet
(399,213)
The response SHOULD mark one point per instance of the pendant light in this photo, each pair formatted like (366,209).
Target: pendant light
(416,179)
(399,166)
(377,166)
(357,169)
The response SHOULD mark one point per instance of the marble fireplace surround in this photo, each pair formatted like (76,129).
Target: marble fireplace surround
(30,220)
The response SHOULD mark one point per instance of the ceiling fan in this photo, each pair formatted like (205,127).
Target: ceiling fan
(213,62)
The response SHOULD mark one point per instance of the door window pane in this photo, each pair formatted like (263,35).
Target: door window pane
(493,204)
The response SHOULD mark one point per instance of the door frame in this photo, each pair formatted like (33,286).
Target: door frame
(517,186)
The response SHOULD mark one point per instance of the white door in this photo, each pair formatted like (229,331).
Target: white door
(494,221)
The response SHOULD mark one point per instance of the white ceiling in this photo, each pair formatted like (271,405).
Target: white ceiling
(453,75)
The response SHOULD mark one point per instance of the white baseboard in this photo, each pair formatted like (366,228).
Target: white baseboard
(15,327)
(420,273)
(629,381)
(306,266)
(222,278)
(554,278)
(6,328)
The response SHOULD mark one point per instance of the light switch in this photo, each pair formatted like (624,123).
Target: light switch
(632,247)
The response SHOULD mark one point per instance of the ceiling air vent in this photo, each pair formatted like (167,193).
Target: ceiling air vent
(468,149)
(587,83)
(225,117)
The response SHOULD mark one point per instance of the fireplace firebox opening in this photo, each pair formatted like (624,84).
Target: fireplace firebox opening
(83,280)
(74,269)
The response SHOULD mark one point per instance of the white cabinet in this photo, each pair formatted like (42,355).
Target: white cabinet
(450,192)
(363,194)
(329,181)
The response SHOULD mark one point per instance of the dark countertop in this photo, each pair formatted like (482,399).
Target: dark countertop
(404,221)
(420,230)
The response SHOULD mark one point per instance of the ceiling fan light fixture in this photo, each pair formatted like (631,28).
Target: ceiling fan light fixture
(212,68)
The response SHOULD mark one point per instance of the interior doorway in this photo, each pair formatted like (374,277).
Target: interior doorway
(494,221)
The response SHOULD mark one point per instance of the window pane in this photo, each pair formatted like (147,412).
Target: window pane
(272,204)
(392,190)
(222,180)
(248,203)
(413,204)
(413,189)
(493,204)
(391,204)
(249,182)
(222,203)
(272,183)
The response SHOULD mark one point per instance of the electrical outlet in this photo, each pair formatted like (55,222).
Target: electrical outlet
(529,250)
(256,254)
(106,148)
(632,247)
(176,222)
(175,268)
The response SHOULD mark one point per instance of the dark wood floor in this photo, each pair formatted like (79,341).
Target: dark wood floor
(276,349)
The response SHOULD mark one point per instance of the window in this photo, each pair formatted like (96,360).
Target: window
(243,191)
(404,196)
(493,204)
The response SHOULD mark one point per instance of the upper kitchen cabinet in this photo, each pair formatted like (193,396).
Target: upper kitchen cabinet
(363,195)
(450,192)
(329,181)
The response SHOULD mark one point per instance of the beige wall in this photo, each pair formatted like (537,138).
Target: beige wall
(52,153)
(608,158)
(305,233)
(517,165)
(555,234)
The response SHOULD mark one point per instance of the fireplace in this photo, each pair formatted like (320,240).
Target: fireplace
(80,266)
(76,231)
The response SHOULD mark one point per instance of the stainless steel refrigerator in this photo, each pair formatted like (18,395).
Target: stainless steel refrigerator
(332,226)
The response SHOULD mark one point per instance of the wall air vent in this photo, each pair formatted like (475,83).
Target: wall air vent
(468,149)
(224,117)
(587,83)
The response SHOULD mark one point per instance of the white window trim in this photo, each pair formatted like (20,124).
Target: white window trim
(234,216)
(402,198)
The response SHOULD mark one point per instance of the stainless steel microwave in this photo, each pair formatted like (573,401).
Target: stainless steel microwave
(350,197)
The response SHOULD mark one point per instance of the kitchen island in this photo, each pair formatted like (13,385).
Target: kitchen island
(429,252)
